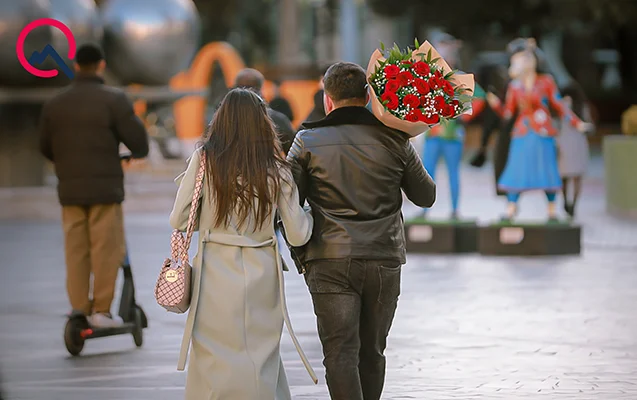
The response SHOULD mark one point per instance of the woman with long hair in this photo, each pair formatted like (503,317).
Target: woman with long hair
(238,305)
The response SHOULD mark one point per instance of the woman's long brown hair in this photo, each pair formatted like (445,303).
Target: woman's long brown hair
(244,157)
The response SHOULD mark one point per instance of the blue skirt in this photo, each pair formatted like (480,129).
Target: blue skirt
(532,165)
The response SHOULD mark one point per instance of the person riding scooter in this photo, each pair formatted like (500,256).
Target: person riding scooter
(81,129)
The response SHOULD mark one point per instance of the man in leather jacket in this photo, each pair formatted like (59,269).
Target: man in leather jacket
(351,169)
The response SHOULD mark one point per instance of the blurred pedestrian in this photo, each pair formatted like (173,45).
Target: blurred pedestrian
(279,103)
(238,302)
(252,79)
(318,112)
(573,146)
(351,169)
(446,141)
(493,123)
(81,129)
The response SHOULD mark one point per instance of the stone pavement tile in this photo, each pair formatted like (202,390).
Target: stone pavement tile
(467,327)
(153,192)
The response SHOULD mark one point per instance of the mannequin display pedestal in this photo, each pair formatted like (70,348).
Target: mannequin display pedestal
(451,236)
(520,239)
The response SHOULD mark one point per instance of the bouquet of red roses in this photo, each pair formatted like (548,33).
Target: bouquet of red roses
(415,90)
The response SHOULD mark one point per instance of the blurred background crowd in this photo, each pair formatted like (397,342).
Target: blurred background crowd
(164,50)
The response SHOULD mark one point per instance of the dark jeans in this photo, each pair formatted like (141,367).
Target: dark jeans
(354,302)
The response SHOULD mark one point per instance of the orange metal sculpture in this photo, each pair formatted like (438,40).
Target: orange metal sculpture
(190,111)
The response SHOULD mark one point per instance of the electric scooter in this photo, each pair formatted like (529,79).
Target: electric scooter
(78,330)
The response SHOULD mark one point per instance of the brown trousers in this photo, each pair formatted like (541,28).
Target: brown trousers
(94,243)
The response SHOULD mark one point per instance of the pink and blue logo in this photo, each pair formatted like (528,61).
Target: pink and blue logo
(38,57)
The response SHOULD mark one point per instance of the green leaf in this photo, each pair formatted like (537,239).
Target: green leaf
(435,60)
(416,43)
(444,122)
(429,56)
(463,98)
(450,74)
(382,47)
(395,53)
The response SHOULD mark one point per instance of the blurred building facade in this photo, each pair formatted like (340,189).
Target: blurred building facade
(590,41)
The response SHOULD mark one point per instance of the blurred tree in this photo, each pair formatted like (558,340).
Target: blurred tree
(471,16)
(610,21)
(245,23)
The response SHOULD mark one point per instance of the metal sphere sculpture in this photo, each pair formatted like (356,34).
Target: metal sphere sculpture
(148,41)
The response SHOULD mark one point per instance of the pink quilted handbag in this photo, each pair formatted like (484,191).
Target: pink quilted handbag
(173,290)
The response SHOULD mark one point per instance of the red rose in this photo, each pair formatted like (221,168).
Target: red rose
(448,111)
(422,86)
(422,68)
(434,83)
(391,71)
(455,103)
(439,103)
(446,86)
(438,74)
(414,115)
(424,101)
(432,119)
(392,86)
(411,100)
(392,100)
(405,78)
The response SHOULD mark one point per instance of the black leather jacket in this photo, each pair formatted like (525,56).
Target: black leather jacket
(351,169)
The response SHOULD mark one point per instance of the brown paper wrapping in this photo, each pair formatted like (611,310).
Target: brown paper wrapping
(414,128)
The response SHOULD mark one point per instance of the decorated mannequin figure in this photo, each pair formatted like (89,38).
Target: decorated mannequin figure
(532,163)
(446,141)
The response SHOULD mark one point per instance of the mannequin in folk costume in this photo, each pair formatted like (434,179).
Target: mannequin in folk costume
(532,163)
(446,141)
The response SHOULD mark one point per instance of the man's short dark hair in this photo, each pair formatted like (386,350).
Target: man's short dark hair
(88,55)
(345,81)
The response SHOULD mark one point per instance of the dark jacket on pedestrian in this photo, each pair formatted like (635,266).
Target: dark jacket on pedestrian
(283,106)
(81,129)
(284,128)
(318,112)
(351,169)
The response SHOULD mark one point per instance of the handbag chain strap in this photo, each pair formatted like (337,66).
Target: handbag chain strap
(180,246)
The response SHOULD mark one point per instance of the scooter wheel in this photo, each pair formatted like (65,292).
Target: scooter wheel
(72,338)
(138,332)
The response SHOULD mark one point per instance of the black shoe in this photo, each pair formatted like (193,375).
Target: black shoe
(571,210)
(479,159)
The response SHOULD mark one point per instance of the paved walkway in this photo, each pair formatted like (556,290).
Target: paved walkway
(468,327)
